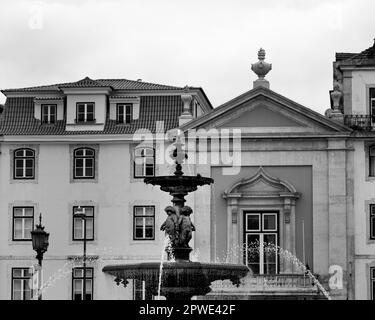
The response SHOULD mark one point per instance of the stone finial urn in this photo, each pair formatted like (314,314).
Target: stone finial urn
(261,68)
(336,95)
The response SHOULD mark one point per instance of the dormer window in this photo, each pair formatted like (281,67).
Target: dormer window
(49,113)
(124,112)
(85,112)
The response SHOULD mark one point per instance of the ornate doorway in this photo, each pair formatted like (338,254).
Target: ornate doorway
(261,210)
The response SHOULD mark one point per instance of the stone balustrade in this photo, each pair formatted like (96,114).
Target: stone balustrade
(264,283)
(360,122)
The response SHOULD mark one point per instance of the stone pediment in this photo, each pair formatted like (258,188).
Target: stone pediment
(260,115)
(264,111)
(261,184)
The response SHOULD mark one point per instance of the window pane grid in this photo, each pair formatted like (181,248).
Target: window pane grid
(79,224)
(372,160)
(49,113)
(372,104)
(77,279)
(124,113)
(372,221)
(24,164)
(85,112)
(21,289)
(144,162)
(144,222)
(372,283)
(23,221)
(253,222)
(259,253)
(84,163)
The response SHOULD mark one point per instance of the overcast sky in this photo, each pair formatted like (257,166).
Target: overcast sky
(206,43)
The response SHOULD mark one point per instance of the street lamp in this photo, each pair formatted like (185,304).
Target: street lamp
(82,215)
(40,244)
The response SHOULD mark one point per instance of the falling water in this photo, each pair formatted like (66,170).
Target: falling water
(271,247)
(166,248)
(288,255)
(66,269)
(254,247)
(61,273)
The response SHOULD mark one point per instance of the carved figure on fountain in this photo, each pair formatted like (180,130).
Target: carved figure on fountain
(186,226)
(170,225)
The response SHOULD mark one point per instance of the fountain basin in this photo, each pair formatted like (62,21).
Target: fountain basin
(179,280)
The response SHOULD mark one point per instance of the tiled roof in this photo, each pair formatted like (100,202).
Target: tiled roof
(344,55)
(48,98)
(84,83)
(18,118)
(366,57)
(124,84)
(369,53)
(117,84)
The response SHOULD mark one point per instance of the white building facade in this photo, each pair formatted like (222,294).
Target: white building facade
(301,182)
(69,148)
(354,79)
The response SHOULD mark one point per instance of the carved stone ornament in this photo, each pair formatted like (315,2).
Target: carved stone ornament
(186,99)
(261,68)
(336,95)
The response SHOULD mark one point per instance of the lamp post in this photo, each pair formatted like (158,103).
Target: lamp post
(40,244)
(82,215)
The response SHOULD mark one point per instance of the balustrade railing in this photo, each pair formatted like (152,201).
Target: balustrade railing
(360,122)
(284,281)
(269,282)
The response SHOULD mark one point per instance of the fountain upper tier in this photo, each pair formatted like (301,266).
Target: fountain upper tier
(178,185)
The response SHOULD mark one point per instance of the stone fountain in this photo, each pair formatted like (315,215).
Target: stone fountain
(181,279)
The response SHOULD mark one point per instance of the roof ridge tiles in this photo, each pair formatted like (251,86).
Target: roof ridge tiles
(116,84)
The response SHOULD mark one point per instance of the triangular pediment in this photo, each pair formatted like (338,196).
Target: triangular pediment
(260,115)
(264,111)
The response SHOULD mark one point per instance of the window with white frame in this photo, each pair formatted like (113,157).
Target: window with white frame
(49,113)
(24,163)
(144,223)
(124,112)
(261,239)
(372,103)
(23,222)
(140,291)
(77,286)
(84,163)
(371,156)
(144,162)
(372,283)
(80,224)
(372,221)
(85,112)
(21,284)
